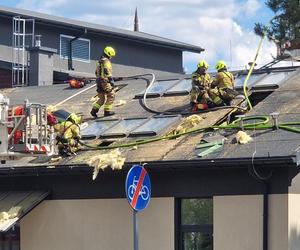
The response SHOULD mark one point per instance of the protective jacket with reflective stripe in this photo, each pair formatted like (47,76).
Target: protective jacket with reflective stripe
(103,69)
(224,79)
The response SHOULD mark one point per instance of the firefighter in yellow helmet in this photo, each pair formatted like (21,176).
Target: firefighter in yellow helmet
(222,91)
(105,83)
(199,97)
(68,135)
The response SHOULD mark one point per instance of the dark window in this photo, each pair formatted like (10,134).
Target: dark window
(80,48)
(10,240)
(195,226)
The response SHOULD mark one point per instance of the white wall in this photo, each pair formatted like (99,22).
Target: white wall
(104,224)
(294,221)
(238,222)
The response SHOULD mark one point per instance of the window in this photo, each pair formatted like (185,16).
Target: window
(133,127)
(239,81)
(183,87)
(97,128)
(154,125)
(80,48)
(195,227)
(158,88)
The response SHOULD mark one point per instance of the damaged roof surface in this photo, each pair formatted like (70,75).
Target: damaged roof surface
(104,30)
(268,143)
(284,100)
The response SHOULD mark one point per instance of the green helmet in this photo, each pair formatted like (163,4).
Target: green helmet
(109,51)
(220,65)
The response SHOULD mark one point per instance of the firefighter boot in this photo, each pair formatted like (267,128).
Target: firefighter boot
(108,113)
(94,113)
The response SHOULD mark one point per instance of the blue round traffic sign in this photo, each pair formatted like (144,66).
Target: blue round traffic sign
(138,187)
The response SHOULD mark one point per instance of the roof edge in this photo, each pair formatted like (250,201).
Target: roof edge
(112,31)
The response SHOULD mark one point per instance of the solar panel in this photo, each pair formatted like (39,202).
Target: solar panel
(123,128)
(239,81)
(95,129)
(158,88)
(183,87)
(155,125)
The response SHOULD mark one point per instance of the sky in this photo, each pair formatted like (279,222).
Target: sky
(223,28)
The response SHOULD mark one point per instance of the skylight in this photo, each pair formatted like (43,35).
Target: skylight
(97,128)
(239,81)
(133,127)
(123,128)
(273,78)
(154,126)
(182,87)
(158,88)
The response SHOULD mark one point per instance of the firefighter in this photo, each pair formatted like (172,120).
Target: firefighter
(68,135)
(222,91)
(199,97)
(105,83)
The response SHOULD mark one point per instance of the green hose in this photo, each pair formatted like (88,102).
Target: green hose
(262,125)
(253,64)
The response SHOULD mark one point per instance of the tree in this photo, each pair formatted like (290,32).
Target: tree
(285,26)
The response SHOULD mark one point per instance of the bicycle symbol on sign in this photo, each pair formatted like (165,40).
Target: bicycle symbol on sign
(144,192)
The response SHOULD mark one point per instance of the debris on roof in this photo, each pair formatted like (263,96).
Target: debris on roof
(12,213)
(189,122)
(101,161)
(242,137)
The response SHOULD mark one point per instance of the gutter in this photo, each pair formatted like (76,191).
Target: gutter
(205,164)
(70,57)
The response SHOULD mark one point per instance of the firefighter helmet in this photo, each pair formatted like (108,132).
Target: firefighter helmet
(74,118)
(220,65)
(109,51)
(202,64)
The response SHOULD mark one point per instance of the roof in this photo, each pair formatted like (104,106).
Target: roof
(17,204)
(286,102)
(275,144)
(101,29)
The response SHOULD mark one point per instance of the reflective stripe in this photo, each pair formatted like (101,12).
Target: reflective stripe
(96,105)
(108,107)
(217,100)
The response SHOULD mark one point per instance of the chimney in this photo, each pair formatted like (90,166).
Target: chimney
(136,21)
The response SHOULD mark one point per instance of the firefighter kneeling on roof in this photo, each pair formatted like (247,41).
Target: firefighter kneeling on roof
(201,81)
(105,83)
(68,135)
(222,91)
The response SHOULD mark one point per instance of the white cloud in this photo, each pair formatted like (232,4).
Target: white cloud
(210,24)
(251,7)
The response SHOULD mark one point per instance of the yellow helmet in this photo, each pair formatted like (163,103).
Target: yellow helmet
(202,64)
(74,118)
(220,65)
(109,51)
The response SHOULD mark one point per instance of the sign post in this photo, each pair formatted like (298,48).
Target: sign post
(138,193)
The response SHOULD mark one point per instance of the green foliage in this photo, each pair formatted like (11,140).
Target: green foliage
(286,22)
(197,211)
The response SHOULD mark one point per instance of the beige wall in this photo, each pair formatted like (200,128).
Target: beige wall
(294,221)
(104,224)
(238,222)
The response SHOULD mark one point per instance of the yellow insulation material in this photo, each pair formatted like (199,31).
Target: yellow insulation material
(11,214)
(188,123)
(51,108)
(120,103)
(113,159)
(242,137)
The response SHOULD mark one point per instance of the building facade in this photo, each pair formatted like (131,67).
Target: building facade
(137,52)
